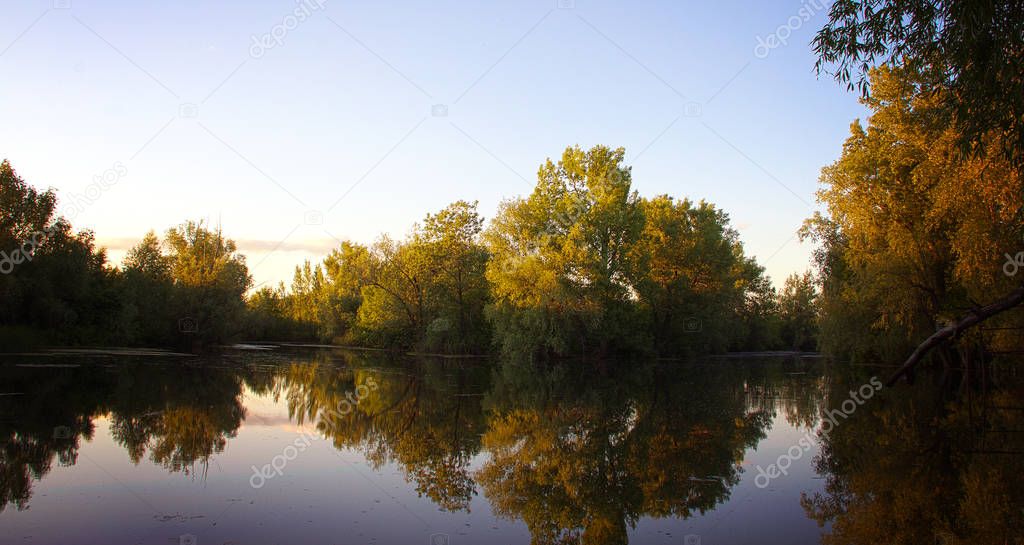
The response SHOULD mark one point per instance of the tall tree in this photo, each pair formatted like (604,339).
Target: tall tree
(145,315)
(52,280)
(798,312)
(459,289)
(914,234)
(560,268)
(211,280)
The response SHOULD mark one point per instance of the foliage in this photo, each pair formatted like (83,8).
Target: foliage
(561,267)
(798,312)
(53,279)
(582,266)
(697,290)
(970,54)
(57,287)
(923,465)
(586,266)
(914,234)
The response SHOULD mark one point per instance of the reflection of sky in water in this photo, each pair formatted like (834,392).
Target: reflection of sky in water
(326,495)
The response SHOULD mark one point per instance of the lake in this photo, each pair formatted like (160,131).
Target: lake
(321,445)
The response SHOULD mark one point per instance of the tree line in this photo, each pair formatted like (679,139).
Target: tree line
(583,266)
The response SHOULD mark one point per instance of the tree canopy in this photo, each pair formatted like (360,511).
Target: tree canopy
(969,54)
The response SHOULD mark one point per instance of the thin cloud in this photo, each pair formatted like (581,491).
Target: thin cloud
(244,245)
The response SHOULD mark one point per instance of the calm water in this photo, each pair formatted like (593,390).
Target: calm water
(330,446)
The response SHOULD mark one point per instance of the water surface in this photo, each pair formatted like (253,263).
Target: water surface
(302,445)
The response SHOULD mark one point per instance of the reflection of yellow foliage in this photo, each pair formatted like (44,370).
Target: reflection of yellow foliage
(185,435)
(913,469)
(585,469)
(403,418)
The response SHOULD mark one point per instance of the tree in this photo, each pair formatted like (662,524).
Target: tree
(971,54)
(798,312)
(914,234)
(146,288)
(210,280)
(459,289)
(560,267)
(54,285)
(268,316)
(394,309)
(24,211)
(427,291)
(695,286)
(309,303)
(968,57)
(348,272)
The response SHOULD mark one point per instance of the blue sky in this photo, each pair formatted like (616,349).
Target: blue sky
(186,118)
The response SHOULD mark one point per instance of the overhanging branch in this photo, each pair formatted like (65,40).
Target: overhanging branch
(972,319)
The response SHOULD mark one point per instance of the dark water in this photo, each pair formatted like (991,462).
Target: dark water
(331,446)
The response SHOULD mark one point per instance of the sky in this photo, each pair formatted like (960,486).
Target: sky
(295,125)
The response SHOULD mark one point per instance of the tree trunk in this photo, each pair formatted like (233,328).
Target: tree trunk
(972,319)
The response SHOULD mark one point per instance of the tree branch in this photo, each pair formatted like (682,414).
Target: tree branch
(972,319)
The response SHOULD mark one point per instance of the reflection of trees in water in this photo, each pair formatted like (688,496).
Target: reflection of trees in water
(180,414)
(579,454)
(581,457)
(794,386)
(924,464)
(427,421)
(42,419)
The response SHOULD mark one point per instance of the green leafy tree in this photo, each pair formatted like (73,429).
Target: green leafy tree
(697,290)
(560,269)
(459,289)
(54,283)
(210,280)
(146,289)
(798,312)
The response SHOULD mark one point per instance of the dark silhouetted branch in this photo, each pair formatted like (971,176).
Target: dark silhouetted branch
(972,319)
